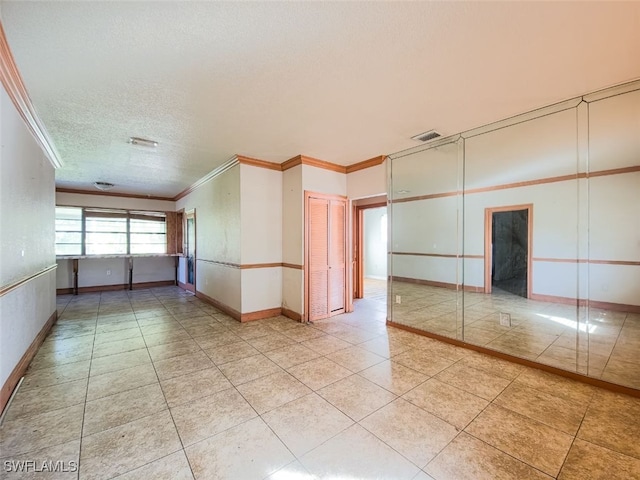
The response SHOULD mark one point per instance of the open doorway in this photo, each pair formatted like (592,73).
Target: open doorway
(370,249)
(508,235)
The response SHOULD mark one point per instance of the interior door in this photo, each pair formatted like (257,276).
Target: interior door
(326,256)
(190,251)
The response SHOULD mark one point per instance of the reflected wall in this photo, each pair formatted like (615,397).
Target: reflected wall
(523,236)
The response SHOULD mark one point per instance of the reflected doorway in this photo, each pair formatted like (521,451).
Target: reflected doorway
(190,250)
(508,235)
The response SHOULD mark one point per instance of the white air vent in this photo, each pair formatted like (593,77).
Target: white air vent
(426,136)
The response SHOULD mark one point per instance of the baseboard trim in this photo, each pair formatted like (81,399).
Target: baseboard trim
(291,314)
(260,314)
(432,283)
(20,369)
(187,286)
(232,312)
(119,286)
(582,302)
(522,361)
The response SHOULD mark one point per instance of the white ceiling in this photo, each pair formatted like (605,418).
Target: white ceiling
(341,82)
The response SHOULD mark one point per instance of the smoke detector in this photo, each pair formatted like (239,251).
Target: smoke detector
(426,136)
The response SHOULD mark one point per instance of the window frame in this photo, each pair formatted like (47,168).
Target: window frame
(128,215)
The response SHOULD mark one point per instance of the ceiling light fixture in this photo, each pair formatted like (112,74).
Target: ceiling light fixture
(143,142)
(104,186)
(426,136)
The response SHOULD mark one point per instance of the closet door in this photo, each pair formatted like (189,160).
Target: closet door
(326,256)
(318,256)
(337,257)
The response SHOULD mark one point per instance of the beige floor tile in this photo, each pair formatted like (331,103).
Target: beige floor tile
(153,339)
(478,382)
(302,333)
(217,339)
(44,399)
(451,404)
(120,381)
(337,458)
(207,416)
(294,470)
(394,377)
(230,352)
(589,461)
(52,358)
(612,421)
(57,374)
(493,365)
(356,396)
(467,458)
(252,330)
(182,365)
(306,423)
(121,408)
(171,467)
(530,441)
(186,388)
(384,346)
(555,385)
(119,361)
(623,372)
(174,349)
(68,454)
(247,369)
(120,346)
(271,342)
(325,345)
(319,373)
(115,335)
(248,451)
(411,431)
(355,358)
(272,391)
(423,361)
(127,447)
(548,409)
(168,326)
(292,355)
(28,434)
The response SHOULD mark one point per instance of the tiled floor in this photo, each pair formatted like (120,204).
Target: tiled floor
(602,344)
(155,384)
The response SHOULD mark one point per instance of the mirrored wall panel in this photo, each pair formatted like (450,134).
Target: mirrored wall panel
(523,236)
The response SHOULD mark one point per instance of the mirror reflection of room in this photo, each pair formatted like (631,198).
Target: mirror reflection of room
(523,236)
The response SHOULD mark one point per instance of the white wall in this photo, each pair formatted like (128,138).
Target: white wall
(293,239)
(375,244)
(261,212)
(27,236)
(218,237)
(368,182)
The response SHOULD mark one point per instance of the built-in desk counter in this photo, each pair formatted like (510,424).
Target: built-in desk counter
(76,262)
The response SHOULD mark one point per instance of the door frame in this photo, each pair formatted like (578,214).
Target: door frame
(358,246)
(307,226)
(190,214)
(488,231)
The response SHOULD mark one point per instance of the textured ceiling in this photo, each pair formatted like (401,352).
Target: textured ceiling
(341,82)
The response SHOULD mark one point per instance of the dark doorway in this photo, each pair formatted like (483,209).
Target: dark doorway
(510,250)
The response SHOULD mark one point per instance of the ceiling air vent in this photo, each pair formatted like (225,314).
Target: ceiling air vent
(426,136)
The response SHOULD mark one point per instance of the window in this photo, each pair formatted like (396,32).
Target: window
(94,231)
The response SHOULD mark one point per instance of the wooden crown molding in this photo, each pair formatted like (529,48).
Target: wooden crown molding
(15,88)
(372,162)
(112,194)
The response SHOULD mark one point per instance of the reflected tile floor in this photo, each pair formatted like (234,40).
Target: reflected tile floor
(156,384)
(601,343)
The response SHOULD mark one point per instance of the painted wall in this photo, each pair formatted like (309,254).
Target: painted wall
(27,236)
(595,219)
(375,244)
(114,271)
(261,213)
(368,182)
(293,239)
(218,239)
